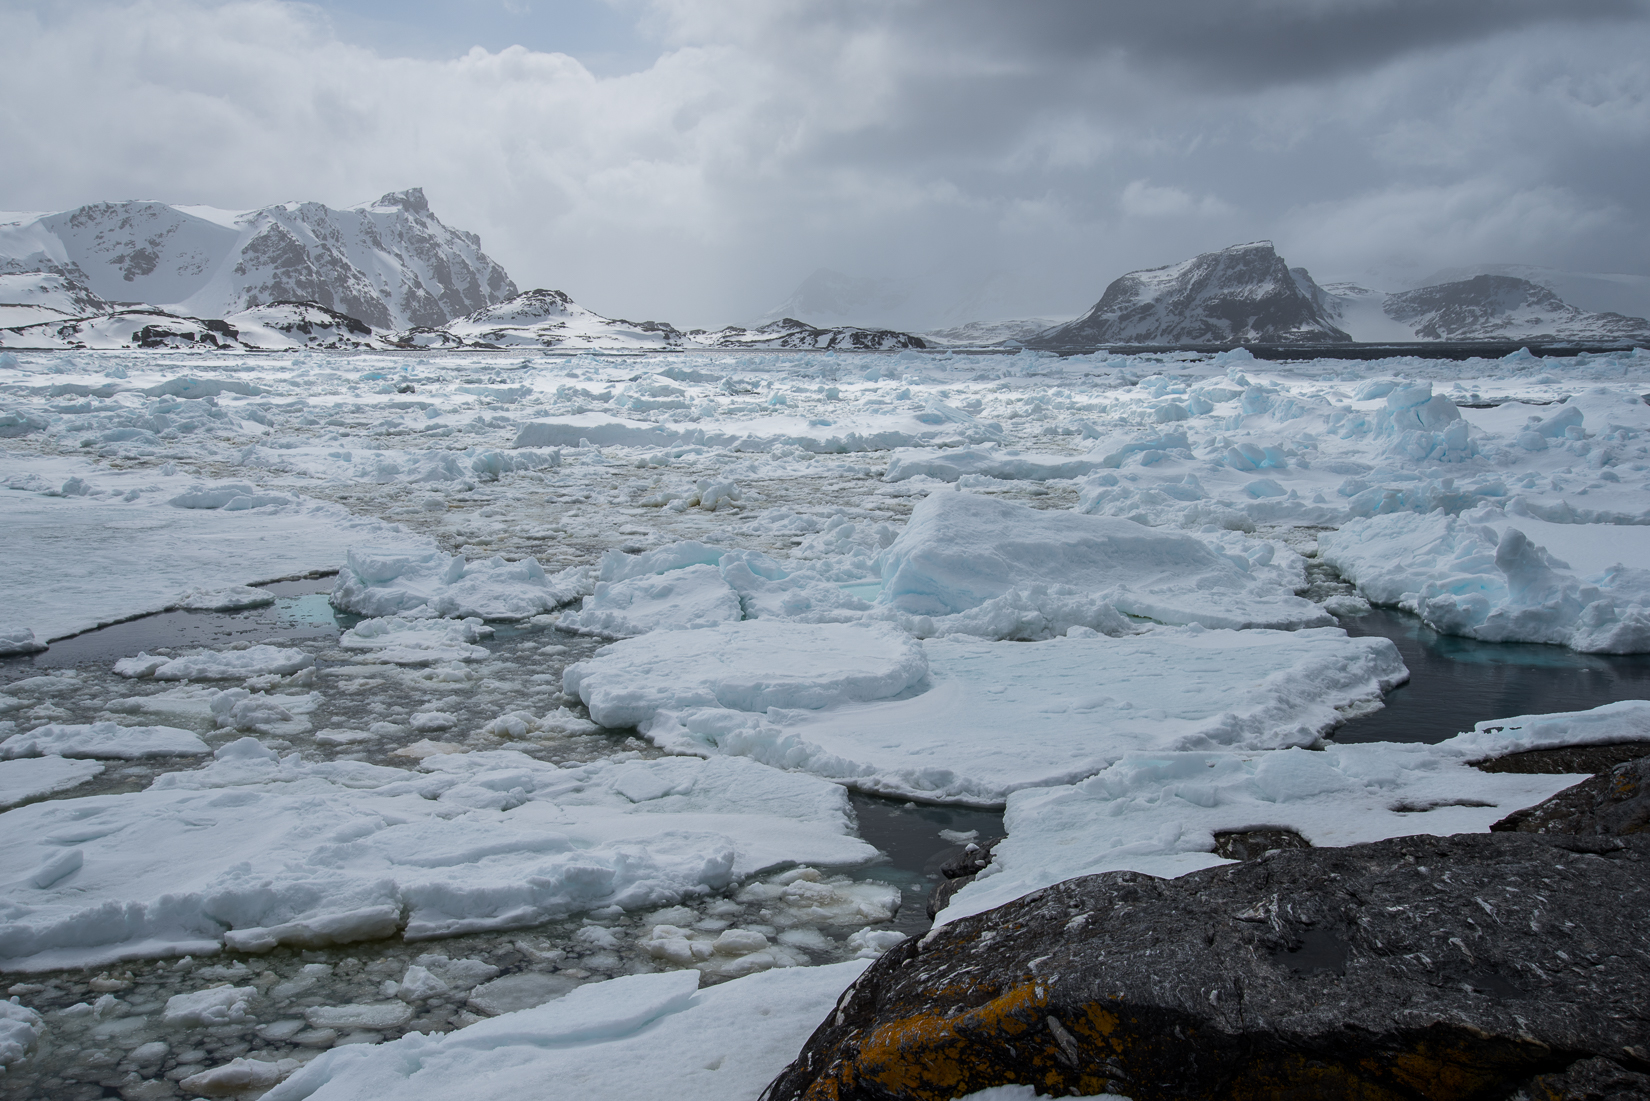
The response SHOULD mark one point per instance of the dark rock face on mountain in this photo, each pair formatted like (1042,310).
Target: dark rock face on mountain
(1499,307)
(1473,966)
(1244,294)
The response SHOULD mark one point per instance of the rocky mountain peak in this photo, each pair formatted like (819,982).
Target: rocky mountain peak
(1242,294)
(411,200)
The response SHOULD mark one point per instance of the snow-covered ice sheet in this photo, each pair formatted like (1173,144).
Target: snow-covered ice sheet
(623,1039)
(31,777)
(256,850)
(962,549)
(76,562)
(747,666)
(107,739)
(1505,578)
(995,717)
(1623,721)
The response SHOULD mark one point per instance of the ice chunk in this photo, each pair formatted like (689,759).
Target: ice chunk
(18,640)
(377,582)
(104,739)
(748,666)
(230,599)
(20,1031)
(680,600)
(961,549)
(1485,574)
(520,991)
(240,1076)
(397,640)
(1000,716)
(231,664)
(218,1005)
(376,1015)
(32,777)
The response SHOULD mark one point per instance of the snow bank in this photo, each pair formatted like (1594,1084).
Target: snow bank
(102,740)
(256,850)
(622,1039)
(961,549)
(385,581)
(998,716)
(1483,575)
(1158,813)
(32,777)
(1624,721)
(748,666)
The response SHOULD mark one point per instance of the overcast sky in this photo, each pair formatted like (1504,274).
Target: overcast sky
(692,160)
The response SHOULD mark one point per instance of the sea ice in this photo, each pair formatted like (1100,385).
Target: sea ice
(1489,575)
(747,666)
(104,739)
(222,664)
(255,850)
(682,599)
(619,1039)
(31,777)
(961,549)
(396,640)
(994,717)
(382,582)
(1157,813)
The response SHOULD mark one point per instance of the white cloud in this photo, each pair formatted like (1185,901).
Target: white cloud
(771,137)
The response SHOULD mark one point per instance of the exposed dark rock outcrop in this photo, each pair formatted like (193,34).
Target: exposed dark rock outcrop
(1244,294)
(1473,966)
(1615,803)
(959,869)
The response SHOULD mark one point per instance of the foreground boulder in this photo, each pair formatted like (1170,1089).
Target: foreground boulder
(1472,966)
(1614,803)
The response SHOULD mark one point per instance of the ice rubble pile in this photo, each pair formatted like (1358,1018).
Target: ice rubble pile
(384,582)
(256,850)
(1158,812)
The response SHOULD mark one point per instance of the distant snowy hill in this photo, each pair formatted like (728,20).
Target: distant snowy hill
(1596,292)
(277,327)
(978,334)
(391,263)
(45,296)
(546,319)
(1500,307)
(1245,293)
(788,332)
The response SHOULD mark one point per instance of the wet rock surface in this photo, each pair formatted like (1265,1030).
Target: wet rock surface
(958,867)
(1570,758)
(1611,804)
(1251,844)
(1463,967)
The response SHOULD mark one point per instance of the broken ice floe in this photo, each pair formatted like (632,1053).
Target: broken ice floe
(388,582)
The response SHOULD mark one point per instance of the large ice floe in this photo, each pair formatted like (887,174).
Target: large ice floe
(1158,812)
(1505,578)
(624,1038)
(960,550)
(971,720)
(257,850)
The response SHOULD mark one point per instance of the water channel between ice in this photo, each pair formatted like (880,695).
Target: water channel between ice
(115,1043)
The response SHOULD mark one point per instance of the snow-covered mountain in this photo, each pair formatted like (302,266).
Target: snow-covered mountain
(980,334)
(1245,294)
(391,263)
(1596,292)
(1500,307)
(279,326)
(545,319)
(788,332)
(27,298)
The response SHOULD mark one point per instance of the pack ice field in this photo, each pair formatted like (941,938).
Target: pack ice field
(443,724)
